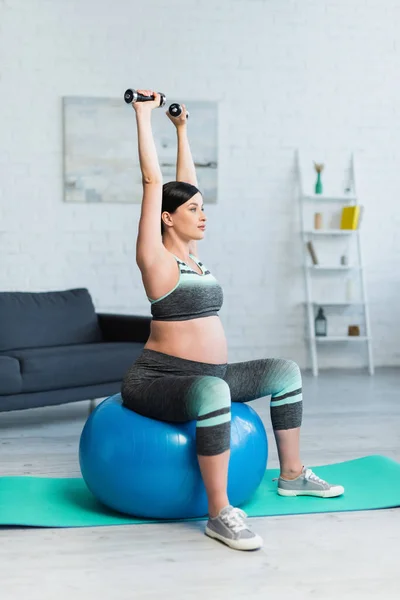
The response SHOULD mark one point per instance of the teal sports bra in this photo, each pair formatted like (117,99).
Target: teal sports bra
(194,296)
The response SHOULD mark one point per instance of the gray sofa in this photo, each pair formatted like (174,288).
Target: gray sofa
(54,348)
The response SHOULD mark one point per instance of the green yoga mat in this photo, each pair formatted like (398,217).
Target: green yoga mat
(370,483)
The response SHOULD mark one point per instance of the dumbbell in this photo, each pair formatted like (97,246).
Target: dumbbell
(134,96)
(176,109)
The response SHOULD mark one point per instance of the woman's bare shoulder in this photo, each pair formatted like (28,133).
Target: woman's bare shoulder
(160,276)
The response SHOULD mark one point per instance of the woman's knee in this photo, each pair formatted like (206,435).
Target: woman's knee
(213,401)
(287,376)
(287,402)
(292,369)
(211,394)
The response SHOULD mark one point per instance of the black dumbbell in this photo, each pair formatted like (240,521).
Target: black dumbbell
(134,96)
(176,109)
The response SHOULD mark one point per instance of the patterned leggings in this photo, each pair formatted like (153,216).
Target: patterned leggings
(168,388)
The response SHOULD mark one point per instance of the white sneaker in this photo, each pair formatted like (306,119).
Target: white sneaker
(230,528)
(308,484)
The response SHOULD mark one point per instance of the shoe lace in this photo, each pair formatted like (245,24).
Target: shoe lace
(312,476)
(309,475)
(235,520)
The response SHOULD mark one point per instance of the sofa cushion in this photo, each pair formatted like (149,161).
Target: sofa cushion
(10,375)
(43,319)
(60,367)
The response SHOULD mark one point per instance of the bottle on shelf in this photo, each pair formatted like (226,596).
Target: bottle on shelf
(321,325)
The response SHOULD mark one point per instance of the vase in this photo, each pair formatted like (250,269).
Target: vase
(318,184)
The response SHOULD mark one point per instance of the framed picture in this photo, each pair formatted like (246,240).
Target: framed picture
(100,154)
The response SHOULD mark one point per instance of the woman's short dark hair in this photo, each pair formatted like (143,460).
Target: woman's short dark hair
(174,194)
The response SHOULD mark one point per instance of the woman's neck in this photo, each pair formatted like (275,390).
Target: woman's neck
(178,248)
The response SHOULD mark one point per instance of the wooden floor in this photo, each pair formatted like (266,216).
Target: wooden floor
(330,556)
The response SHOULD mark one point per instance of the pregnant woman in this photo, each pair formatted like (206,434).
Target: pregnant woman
(183,372)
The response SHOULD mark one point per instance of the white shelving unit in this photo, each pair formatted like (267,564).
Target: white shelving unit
(310,270)
(333,267)
(342,338)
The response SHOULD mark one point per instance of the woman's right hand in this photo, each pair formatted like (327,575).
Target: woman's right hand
(180,121)
(149,105)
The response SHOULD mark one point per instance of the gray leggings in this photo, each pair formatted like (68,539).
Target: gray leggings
(168,388)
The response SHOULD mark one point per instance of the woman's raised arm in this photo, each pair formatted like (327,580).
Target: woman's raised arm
(185,169)
(149,242)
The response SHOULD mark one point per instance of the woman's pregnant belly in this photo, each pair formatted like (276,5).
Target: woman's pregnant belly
(202,340)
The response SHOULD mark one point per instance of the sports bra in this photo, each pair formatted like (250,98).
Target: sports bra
(193,297)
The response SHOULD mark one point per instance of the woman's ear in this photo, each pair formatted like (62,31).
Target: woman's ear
(166,219)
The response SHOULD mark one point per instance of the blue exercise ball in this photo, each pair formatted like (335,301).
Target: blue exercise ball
(149,469)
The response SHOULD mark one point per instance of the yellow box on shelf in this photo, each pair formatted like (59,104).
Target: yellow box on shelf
(350,217)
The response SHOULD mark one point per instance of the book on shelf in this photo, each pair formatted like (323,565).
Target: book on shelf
(351,217)
(313,254)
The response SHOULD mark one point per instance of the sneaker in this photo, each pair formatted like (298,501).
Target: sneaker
(230,528)
(308,484)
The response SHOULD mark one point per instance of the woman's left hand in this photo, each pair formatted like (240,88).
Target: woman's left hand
(180,121)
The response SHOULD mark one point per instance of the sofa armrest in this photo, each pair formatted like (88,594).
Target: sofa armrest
(124,328)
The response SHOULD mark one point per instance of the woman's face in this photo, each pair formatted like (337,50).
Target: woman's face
(189,220)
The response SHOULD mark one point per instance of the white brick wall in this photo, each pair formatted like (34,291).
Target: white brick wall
(311,74)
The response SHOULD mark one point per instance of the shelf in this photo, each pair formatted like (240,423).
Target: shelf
(340,338)
(325,198)
(334,268)
(338,303)
(325,232)
(344,305)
